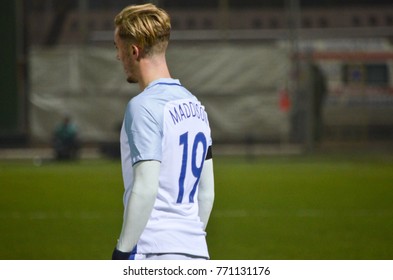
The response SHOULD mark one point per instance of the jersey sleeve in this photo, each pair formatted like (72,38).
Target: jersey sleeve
(143,131)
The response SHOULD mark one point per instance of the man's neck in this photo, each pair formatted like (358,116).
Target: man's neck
(152,69)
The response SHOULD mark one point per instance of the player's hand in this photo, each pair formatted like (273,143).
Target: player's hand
(119,255)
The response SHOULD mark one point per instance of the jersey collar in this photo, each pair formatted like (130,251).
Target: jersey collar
(164,81)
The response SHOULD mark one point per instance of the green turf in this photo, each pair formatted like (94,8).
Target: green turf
(320,207)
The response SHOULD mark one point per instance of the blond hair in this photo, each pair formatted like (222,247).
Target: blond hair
(145,25)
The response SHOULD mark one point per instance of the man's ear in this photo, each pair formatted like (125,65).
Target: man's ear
(136,52)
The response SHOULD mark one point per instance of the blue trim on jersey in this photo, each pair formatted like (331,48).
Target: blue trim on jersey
(169,84)
(133,253)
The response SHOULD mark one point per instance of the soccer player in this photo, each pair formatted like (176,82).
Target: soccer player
(165,148)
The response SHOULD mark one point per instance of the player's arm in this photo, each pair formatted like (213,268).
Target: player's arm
(206,189)
(139,207)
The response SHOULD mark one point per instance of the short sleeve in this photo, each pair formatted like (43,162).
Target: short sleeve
(143,132)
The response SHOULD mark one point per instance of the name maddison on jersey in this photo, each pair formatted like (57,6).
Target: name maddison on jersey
(186,110)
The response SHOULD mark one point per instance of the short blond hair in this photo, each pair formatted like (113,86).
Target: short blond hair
(145,25)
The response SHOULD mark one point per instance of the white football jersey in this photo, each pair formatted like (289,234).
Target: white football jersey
(167,123)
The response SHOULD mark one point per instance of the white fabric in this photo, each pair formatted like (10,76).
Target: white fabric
(156,257)
(141,203)
(166,123)
(206,192)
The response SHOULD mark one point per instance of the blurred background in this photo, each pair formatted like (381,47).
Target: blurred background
(300,101)
(290,74)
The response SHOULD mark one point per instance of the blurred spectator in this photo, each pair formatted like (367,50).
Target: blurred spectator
(66,143)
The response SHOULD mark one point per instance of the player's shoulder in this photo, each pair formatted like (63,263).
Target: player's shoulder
(160,93)
(138,99)
(145,103)
(143,99)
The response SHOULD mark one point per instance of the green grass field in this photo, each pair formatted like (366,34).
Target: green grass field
(316,207)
